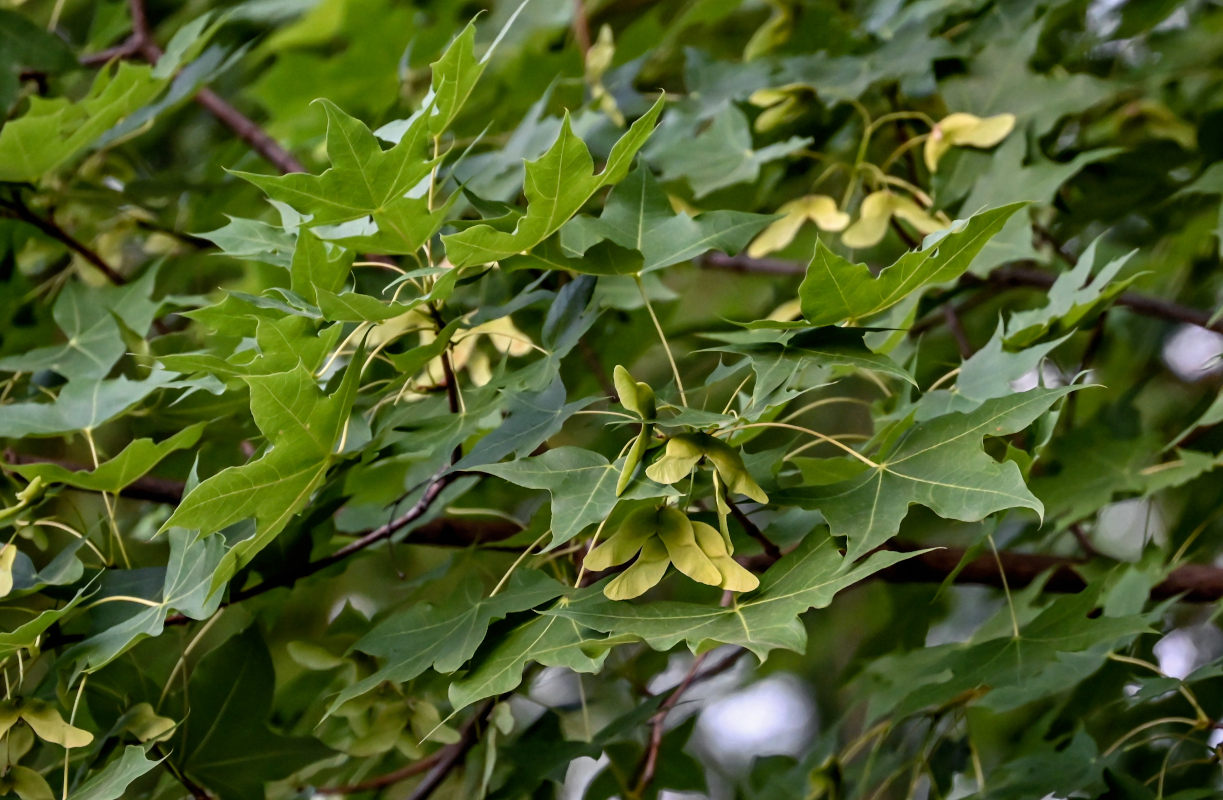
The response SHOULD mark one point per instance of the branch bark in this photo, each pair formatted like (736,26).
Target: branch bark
(142,43)
(16,209)
(1199,583)
(437,764)
(1018,275)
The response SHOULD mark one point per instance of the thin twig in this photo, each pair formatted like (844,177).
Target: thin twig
(453,754)
(753,530)
(957,331)
(434,488)
(581,27)
(196,791)
(1017,275)
(649,759)
(389,779)
(142,43)
(448,755)
(15,208)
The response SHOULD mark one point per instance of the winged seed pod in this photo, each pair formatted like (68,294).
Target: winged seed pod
(676,534)
(662,535)
(735,577)
(634,531)
(45,720)
(638,398)
(818,208)
(878,209)
(644,574)
(965,130)
(683,452)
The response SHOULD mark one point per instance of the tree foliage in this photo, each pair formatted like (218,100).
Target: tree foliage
(401,400)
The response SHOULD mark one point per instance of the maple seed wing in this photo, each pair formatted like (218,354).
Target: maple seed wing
(643,575)
(676,533)
(734,576)
(624,543)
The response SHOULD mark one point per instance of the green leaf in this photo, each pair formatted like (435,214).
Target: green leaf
(24,636)
(187,586)
(834,290)
(720,155)
(637,216)
(938,464)
(582,484)
(25,45)
(80,404)
(252,239)
(112,780)
(532,419)
(795,349)
(140,456)
(314,269)
(558,183)
(988,373)
(89,318)
(547,640)
(1074,296)
(225,743)
(301,425)
(1064,644)
(444,636)
(363,180)
(809,577)
(55,131)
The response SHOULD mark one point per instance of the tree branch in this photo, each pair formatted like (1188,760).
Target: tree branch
(1018,275)
(447,757)
(16,209)
(141,43)
(649,759)
(1197,582)
(770,549)
(434,488)
(453,754)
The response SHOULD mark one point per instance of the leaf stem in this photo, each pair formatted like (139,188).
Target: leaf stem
(679,384)
(822,437)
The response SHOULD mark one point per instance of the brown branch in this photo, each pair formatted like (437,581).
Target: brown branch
(770,549)
(1018,275)
(446,755)
(129,48)
(16,209)
(389,779)
(1198,583)
(957,331)
(249,131)
(142,43)
(453,754)
(581,27)
(649,759)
